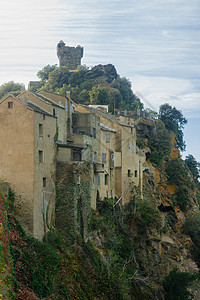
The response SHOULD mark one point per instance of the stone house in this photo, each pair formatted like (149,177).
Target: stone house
(28,161)
(123,162)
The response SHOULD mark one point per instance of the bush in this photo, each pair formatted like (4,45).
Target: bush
(176,284)
(176,171)
(146,216)
(159,142)
(182,198)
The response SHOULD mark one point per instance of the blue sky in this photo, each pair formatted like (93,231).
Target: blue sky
(156,44)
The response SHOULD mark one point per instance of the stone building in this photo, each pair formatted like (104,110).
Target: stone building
(123,162)
(69,57)
(47,139)
(28,162)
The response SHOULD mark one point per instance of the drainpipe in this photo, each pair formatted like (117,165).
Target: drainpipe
(68,113)
(44,210)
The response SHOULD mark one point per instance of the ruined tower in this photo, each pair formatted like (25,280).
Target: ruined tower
(69,57)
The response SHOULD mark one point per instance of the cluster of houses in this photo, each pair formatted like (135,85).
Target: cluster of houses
(37,131)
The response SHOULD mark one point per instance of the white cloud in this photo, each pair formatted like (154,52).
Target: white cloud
(159,90)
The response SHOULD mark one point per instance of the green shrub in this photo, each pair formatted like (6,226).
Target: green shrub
(176,171)
(176,284)
(146,216)
(182,198)
(159,141)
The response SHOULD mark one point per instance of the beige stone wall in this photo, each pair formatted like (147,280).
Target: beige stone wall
(44,173)
(128,163)
(17,156)
(107,187)
(58,99)
(24,96)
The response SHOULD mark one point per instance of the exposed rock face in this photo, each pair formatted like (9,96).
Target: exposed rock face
(108,71)
(69,57)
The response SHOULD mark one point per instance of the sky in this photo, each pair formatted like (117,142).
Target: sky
(155,44)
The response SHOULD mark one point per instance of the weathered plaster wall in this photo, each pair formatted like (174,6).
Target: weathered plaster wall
(28,96)
(17,156)
(44,192)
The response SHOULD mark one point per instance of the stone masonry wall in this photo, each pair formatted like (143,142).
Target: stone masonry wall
(73,199)
(69,57)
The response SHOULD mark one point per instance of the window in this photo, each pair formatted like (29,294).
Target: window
(40,156)
(129,173)
(107,137)
(40,130)
(43,117)
(91,180)
(54,112)
(135,173)
(10,104)
(99,179)
(95,156)
(44,181)
(103,158)
(94,132)
(91,157)
(106,179)
(131,147)
(131,130)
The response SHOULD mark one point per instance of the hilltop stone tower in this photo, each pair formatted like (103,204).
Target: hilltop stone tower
(69,57)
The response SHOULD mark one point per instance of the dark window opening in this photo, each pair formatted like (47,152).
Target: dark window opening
(10,104)
(76,155)
(94,132)
(44,181)
(129,173)
(106,179)
(54,112)
(135,173)
(40,130)
(40,156)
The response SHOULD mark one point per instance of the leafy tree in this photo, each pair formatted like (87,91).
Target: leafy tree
(159,142)
(194,167)
(44,73)
(57,78)
(99,95)
(174,121)
(176,284)
(176,172)
(11,87)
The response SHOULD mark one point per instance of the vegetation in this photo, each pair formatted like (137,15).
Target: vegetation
(159,141)
(176,285)
(194,167)
(174,121)
(192,228)
(88,88)
(176,171)
(11,87)
(44,73)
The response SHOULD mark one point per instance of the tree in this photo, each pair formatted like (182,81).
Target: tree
(176,172)
(99,95)
(194,167)
(57,78)
(159,141)
(174,121)
(176,284)
(44,73)
(11,87)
